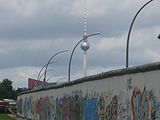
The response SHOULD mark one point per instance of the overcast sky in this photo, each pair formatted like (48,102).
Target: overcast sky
(31,31)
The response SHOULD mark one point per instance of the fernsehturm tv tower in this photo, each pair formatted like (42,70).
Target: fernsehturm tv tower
(85,45)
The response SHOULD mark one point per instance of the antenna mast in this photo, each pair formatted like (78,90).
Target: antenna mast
(85,17)
(85,45)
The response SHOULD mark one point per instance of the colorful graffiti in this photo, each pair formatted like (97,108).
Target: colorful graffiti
(66,108)
(140,105)
(129,84)
(76,106)
(154,105)
(19,106)
(42,108)
(90,109)
(107,110)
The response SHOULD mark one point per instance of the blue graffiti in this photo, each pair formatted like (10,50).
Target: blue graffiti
(90,109)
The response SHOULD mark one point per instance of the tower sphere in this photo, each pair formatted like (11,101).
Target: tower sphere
(85,46)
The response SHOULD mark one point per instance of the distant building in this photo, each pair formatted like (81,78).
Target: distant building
(3,106)
(3,103)
(8,106)
(10,101)
(33,82)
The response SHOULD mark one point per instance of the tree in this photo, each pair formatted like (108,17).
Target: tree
(7,91)
(3,92)
(19,90)
(8,84)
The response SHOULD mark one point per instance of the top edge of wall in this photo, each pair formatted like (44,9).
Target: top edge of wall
(108,74)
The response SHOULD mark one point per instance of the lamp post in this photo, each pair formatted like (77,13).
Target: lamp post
(43,74)
(43,68)
(60,79)
(130,29)
(159,36)
(56,80)
(51,77)
(70,60)
(50,61)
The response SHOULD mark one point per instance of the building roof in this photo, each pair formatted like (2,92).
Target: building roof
(8,100)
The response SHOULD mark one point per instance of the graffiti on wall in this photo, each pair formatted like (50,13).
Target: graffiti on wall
(107,110)
(129,84)
(43,108)
(90,109)
(141,104)
(154,105)
(66,108)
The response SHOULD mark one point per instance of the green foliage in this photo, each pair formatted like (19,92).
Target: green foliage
(7,83)
(7,91)
(19,90)
(5,117)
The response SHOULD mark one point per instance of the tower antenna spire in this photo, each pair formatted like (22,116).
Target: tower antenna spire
(85,17)
(85,45)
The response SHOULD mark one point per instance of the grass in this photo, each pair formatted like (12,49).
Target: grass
(5,117)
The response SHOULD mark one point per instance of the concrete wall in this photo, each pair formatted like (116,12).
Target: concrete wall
(125,94)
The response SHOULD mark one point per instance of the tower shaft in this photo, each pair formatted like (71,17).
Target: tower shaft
(85,45)
(85,64)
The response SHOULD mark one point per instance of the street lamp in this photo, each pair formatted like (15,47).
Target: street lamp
(129,32)
(70,60)
(44,73)
(61,79)
(56,80)
(159,36)
(43,68)
(51,77)
(50,61)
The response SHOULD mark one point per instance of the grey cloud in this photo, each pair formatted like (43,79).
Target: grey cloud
(31,31)
(46,19)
